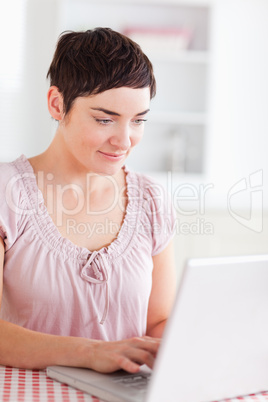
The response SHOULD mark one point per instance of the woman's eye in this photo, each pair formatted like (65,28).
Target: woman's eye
(103,122)
(139,121)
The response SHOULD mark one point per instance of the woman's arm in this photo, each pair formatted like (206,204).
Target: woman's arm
(2,254)
(20,347)
(163,291)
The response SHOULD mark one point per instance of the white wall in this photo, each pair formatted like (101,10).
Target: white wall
(238,132)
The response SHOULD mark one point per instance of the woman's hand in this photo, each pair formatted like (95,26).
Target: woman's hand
(128,354)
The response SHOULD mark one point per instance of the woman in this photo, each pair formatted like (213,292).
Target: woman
(85,245)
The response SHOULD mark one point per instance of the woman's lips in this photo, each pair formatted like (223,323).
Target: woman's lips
(113,156)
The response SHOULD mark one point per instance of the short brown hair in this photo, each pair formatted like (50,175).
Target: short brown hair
(91,62)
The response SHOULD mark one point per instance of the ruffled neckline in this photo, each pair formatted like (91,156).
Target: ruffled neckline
(49,232)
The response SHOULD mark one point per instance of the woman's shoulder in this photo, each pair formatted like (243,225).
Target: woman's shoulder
(7,170)
(156,197)
(146,183)
(11,179)
(15,168)
(157,208)
(12,198)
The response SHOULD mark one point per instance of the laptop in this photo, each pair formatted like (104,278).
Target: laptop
(215,344)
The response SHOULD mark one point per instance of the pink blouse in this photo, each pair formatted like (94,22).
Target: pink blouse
(53,286)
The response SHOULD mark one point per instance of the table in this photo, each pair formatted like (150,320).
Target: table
(18,385)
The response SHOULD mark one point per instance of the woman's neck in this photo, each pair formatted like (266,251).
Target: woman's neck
(56,166)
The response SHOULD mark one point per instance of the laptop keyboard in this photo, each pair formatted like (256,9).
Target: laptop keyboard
(138,381)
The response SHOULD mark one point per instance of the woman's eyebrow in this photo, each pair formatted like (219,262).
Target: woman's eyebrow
(100,109)
(110,112)
(142,113)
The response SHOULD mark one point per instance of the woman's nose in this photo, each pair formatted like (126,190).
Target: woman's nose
(121,138)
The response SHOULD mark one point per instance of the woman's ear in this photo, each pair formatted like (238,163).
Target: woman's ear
(55,103)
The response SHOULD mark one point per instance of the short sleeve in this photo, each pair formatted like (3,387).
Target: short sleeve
(10,196)
(161,214)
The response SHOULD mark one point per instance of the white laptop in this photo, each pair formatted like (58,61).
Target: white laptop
(215,345)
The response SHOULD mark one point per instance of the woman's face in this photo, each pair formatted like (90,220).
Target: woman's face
(100,130)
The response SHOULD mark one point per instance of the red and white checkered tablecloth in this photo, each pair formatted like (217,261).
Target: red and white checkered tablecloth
(18,385)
